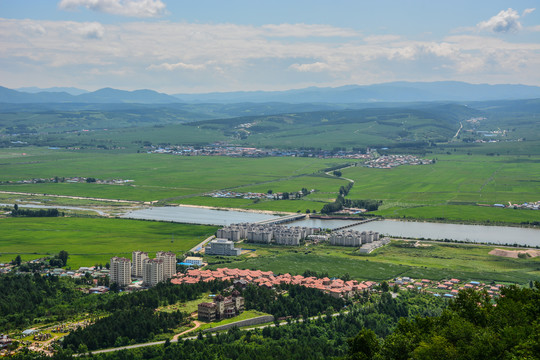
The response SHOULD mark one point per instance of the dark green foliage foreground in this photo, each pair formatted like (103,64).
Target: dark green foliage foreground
(300,300)
(24,298)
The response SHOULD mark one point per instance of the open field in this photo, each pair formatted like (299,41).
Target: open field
(156,176)
(462,213)
(434,261)
(473,179)
(445,190)
(90,241)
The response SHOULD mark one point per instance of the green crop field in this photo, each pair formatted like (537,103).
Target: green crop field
(446,190)
(156,176)
(94,240)
(476,179)
(462,214)
(434,261)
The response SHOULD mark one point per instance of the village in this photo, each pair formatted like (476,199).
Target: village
(391,161)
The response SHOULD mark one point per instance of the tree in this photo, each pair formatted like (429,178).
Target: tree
(17,260)
(364,345)
(63,255)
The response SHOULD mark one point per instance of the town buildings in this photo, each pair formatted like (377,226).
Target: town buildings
(353,238)
(120,271)
(193,260)
(334,287)
(221,308)
(266,233)
(222,247)
(169,263)
(138,258)
(153,272)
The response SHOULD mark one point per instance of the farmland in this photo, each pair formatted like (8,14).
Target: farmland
(433,261)
(91,241)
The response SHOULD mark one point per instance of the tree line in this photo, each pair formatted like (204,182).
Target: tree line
(35,213)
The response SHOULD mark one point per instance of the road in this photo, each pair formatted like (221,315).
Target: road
(193,337)
(201,244)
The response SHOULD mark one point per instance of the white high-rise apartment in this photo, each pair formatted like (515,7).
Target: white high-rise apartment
(120,271)
(153,271)
(138,260)
(169,263)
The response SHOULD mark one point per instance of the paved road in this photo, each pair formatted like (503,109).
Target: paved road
(201,244)
(194,337)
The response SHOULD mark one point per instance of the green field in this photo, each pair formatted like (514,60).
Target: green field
(445,191)
(462,214)
(448,188)
(434,261)
(156,176)
(90,241)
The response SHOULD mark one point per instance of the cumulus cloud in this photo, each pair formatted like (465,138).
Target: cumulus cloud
(130,8)
(527,11)
(313,67)
(504,22)
(91,30)
(178,65)
(220,57)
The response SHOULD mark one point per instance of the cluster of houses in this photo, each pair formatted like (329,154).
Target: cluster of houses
(242,151)
(74,179)
(256,195)
(266,233)
(334,287)
(446,288)
(535,205)
(391,161)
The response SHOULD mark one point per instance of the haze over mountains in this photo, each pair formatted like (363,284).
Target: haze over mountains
(388,92)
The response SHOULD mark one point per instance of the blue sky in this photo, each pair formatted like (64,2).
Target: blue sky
(203,46)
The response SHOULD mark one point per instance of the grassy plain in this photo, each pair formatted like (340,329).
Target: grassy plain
(461,213)
(434,261)
(156,176)
(94,240)
(445,188)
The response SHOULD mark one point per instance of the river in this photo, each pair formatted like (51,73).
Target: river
(409,229)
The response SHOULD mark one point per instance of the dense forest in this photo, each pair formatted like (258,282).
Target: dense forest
(407,325)
(291,301)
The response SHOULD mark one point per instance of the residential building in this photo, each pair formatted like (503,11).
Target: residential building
(169,263)
(120,271)
(138,258)
(153,272)
(221,308)
(222,247)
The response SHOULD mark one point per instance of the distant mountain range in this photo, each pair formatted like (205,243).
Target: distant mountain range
(350,94)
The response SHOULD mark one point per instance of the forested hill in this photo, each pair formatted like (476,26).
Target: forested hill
(375,126)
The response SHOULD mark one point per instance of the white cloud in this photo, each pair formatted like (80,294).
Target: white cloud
(92,30)
(130,8)
(527,11)
(379,39)
(313,67)
(178,65)
(505,21)
(221,57)
(305,30)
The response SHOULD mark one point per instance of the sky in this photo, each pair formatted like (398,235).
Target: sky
(201,46)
